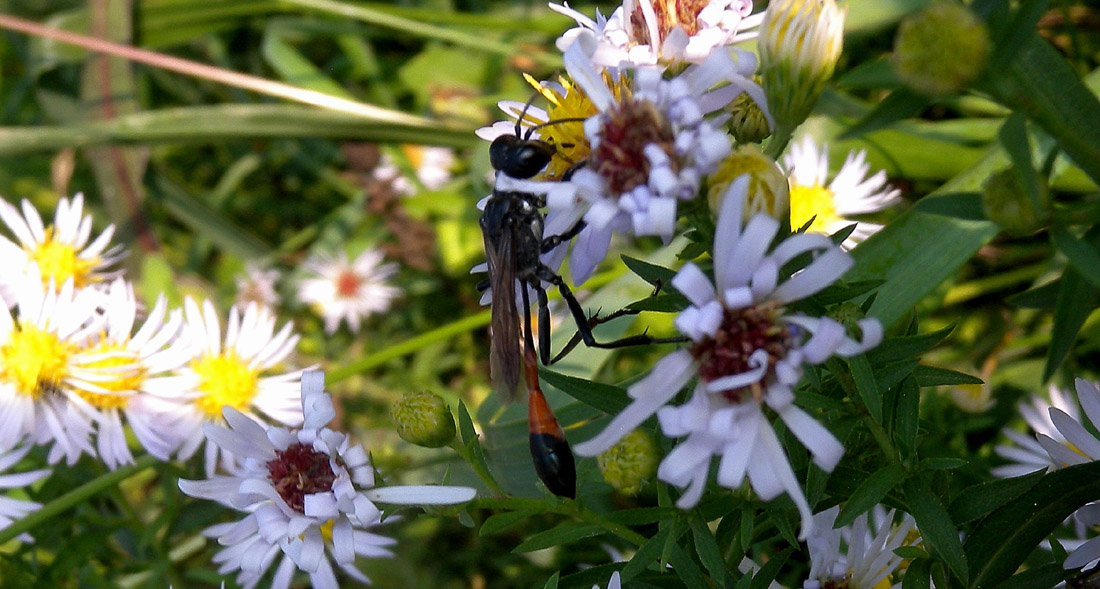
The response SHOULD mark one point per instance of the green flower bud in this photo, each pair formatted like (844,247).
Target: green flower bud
(799,45)
(941,50)
(768,192)
(423,419)
(626,466)
(1005,202)
(747,121)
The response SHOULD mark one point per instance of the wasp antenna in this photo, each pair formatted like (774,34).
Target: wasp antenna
(523,115)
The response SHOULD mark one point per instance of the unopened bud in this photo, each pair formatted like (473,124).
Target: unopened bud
(1005,202)
(940,50)
(768,191)
(626,466)
(972,398)
(747,121)
(423,419)
(799,44)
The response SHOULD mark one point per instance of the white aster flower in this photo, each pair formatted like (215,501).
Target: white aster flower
(747,351)
(60,251)
(309,494)
(860,556)
(642,32)
(257,285)
(1026,454)
(433,164)
(38,376)
(243,372)
(831,205)
(650,148)
(348,291)
(12,510)
(613,582)
(117,369)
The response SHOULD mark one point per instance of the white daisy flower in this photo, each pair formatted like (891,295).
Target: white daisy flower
(308,493)
(1027,455)
(747,351)
(642,32)
(348,292)
(650,148)
(38,376)
(257,285)
(117,369)
(433,164)
(831,205)
(12,510)
(860,556)
(388,172)
(60,251)
(230,374)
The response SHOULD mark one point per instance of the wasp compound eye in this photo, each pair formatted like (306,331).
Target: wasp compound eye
(519,158)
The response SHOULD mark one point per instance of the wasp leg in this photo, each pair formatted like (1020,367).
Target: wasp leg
(549,243)
(584,330)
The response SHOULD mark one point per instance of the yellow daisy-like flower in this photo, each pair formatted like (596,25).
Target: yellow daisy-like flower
(61,252)
(241,372)
(830,204)
(38,376)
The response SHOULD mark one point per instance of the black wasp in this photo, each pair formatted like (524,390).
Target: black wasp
(512,225)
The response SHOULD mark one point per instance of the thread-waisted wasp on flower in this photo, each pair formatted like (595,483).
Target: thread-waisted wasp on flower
(512,225)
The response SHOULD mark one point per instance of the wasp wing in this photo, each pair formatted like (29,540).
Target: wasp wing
(504,351)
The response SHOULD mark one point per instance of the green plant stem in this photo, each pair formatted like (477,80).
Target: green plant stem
(74,497)
(882,439)
(478,466)
(975,288)
(391,21)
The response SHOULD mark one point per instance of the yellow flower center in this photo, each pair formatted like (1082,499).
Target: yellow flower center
(60,262)
(125,371)
(326,530)
(35,361)
(226,380)
(567,138)
(768,190)
(812,202)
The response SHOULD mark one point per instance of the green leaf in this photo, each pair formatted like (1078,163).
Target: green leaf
(208,222)
(771,569)
(661,303)
(870,493)
(562,533)
(1077,298)
(646,555)
(932,376)
(943,463)
(936,528)
(499,522)
(1001,542)
(707,549)
(607,398)
(866,387)
(641,515)
(908,414)
(978,500)
(1039,83)
(899,348)
(685,566)
(1082,254)
(552,582)
(1013,136)
(651,273)
(917,575)
(901,104)
(1047,575)
(964,205)
(1041,297)
(846,291)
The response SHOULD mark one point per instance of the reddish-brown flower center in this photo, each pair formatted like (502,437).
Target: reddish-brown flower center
(670,13)
(347,284)
(743,331)
(299,471)
(627,130)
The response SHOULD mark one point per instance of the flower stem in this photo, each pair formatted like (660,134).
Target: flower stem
(478,466)
(74,497)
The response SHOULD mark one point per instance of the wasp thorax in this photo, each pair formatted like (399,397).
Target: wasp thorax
(299,471)
(679,13)
(742,332)
(625,132)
